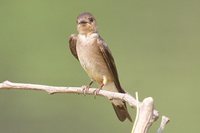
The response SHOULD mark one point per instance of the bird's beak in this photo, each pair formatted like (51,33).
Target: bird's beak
(82,21)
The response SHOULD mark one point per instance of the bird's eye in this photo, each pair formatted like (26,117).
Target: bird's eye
(91,19)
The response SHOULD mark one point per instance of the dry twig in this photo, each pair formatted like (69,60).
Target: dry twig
(147,113)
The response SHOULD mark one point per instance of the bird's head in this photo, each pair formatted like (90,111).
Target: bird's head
(86,23)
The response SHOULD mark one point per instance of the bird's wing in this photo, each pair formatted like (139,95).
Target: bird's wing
(72,45)
(109,62)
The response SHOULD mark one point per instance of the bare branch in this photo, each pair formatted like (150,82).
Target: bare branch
(137,113)
(163,123)
(147,113)
(78,90)
(145,119)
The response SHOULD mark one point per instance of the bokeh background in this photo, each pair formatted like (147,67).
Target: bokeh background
(155,45)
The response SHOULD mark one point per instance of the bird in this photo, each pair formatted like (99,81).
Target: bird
(94,55)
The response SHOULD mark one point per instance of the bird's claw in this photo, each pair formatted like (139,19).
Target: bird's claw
(96,92)
(85,89)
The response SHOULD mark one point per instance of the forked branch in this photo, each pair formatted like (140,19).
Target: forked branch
(147,113)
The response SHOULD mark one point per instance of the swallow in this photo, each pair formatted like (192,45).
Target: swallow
(95,57)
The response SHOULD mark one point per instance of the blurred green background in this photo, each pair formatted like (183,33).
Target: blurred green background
(155,45)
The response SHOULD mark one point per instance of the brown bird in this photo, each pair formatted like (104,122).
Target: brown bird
(96,59)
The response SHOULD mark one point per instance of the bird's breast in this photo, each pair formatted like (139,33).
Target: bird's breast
(88,53)
(91,59)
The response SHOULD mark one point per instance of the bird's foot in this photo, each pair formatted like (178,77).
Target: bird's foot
(97,91)
(85,89)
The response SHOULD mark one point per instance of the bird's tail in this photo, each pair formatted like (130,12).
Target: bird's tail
(121,110)
(118,105)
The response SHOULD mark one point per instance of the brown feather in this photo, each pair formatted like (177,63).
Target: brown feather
(72,45)
(122,112)
(110,63)
(119,106)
